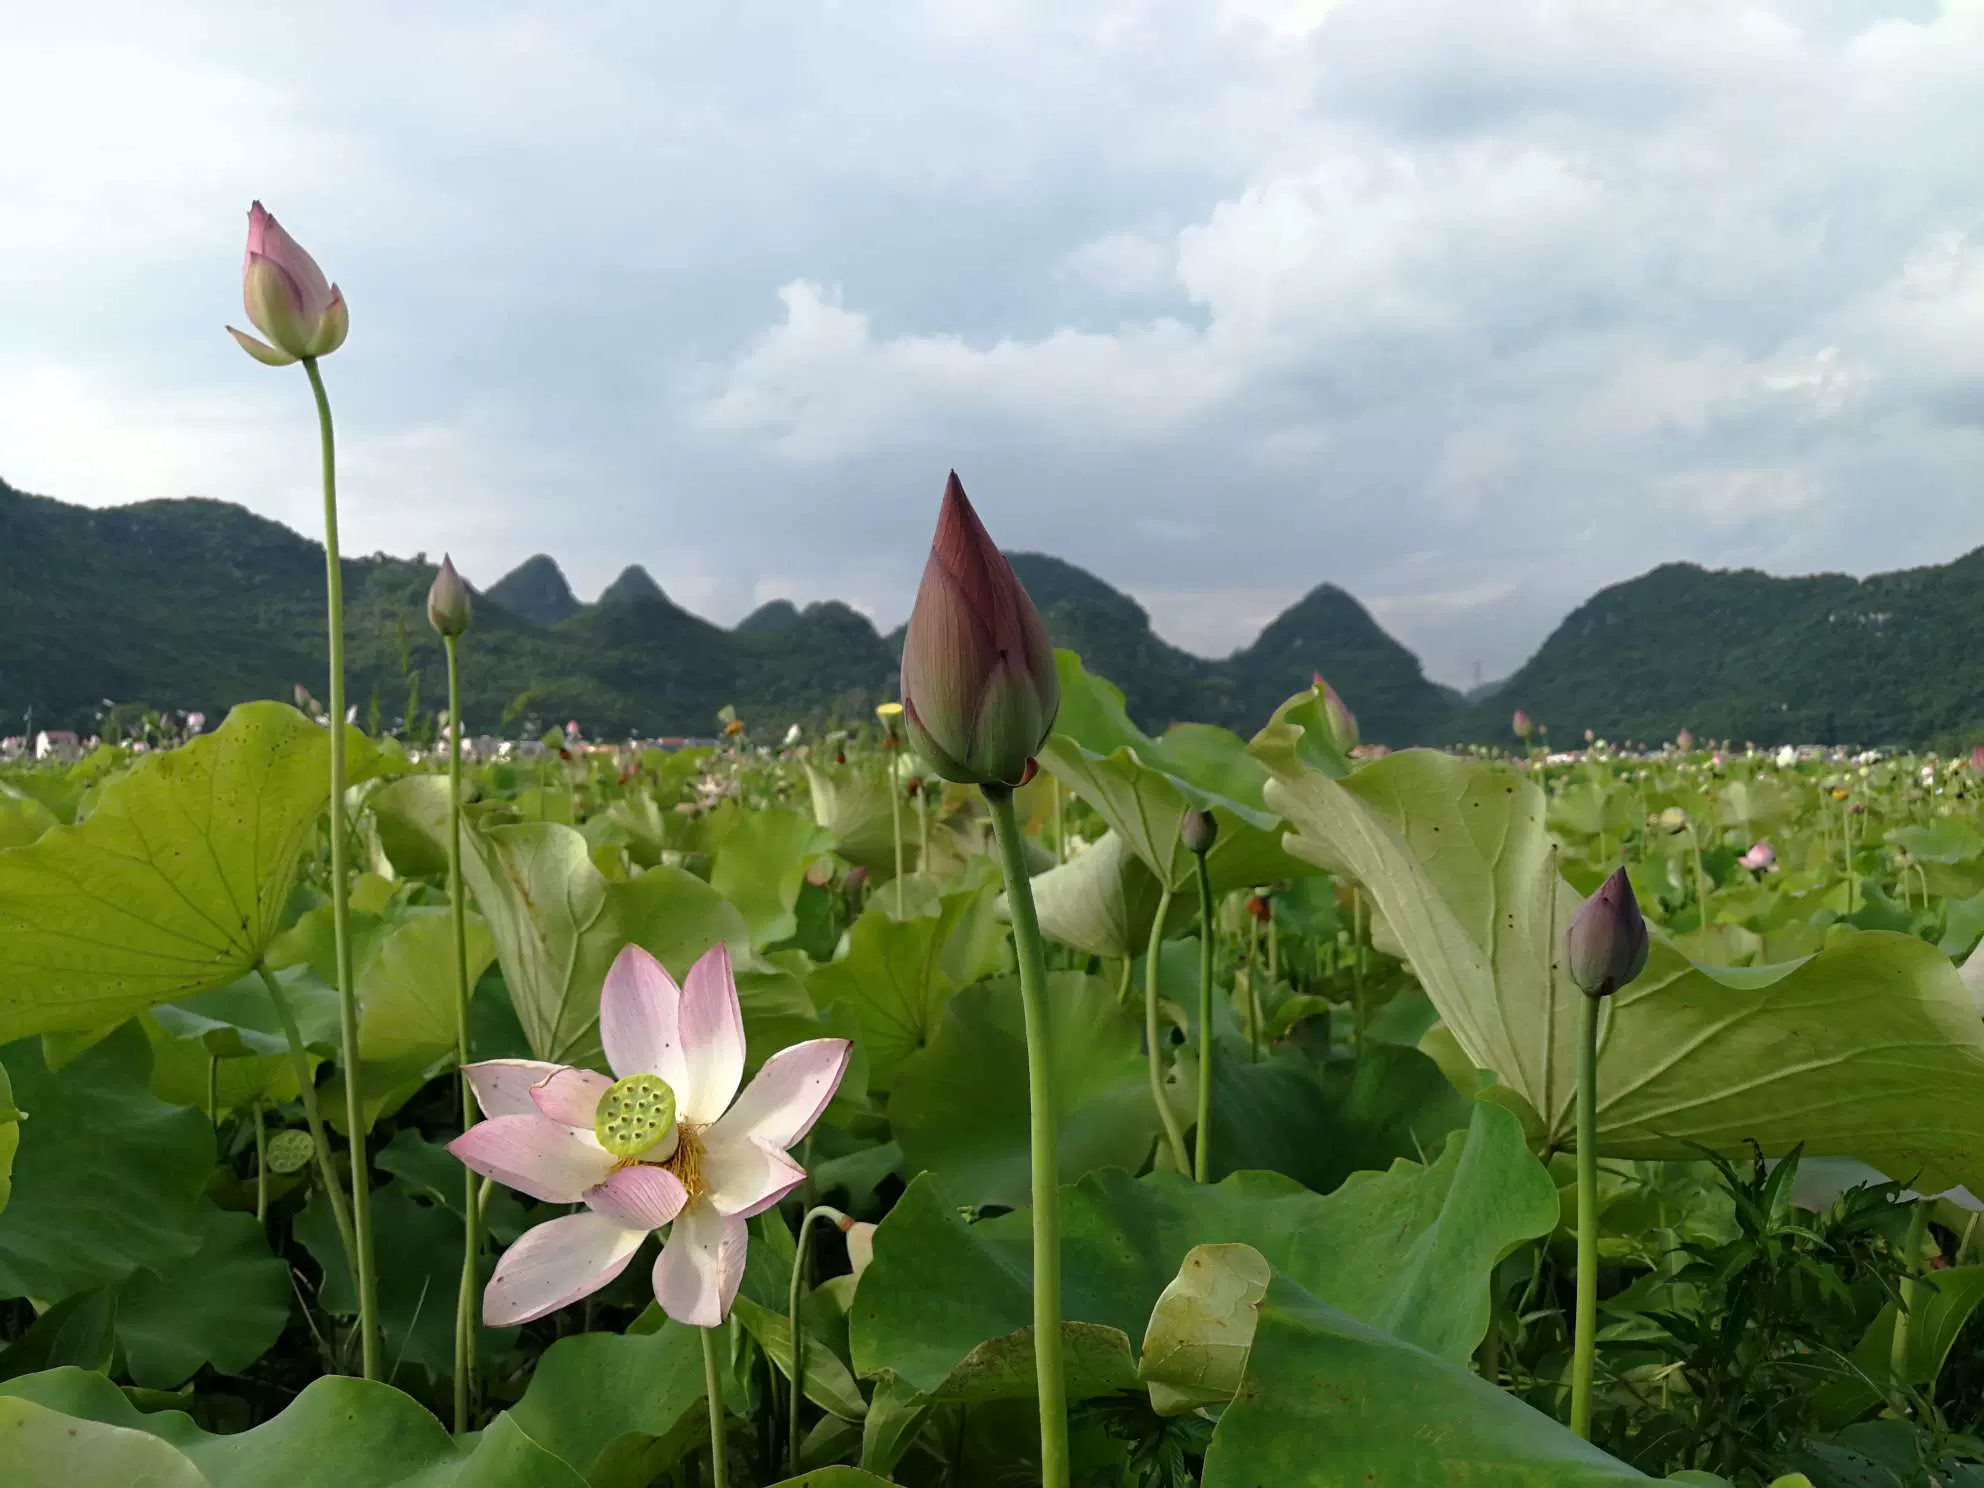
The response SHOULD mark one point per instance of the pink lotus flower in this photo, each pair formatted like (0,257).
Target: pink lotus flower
(287,297)
(1977,758)
(1521,726)
(669,1142)
(1759,856)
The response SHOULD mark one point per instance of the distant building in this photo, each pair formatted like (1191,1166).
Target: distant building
(59,745)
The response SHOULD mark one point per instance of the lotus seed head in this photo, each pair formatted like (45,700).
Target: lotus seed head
(634,1114)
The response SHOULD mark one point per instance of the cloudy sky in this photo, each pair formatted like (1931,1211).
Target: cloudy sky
(1470,306)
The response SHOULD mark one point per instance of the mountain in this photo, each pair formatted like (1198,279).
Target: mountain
(536,590)
(1743,655)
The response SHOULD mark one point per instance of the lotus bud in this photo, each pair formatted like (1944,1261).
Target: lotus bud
(860,1243)
(1522,726)
(1977,759)
(287,298)
(448,606)
(1343,722)
(857,878)
(979,689)
(1685,742)
(1198,831)
(1759,856)
(1259,908)
(1608,940)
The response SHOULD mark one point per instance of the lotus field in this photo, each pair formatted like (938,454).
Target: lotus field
(984,1092)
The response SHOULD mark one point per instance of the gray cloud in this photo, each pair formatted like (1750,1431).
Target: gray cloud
(1469,306)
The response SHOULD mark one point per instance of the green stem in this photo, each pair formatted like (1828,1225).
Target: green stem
(798,1337)
(1202,1141)
(354,1097)
(1060,826)
(1153,1047)
(465,1298)
(1357,1013)
(213,1095)
(1049,1381)
(300,1062)
(261,1165)
(895,821)
(1584,1350)
(1253,990)
(713,1389)
(923,827)
(1918,1230)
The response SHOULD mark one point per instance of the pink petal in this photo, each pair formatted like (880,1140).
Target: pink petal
(260,350)
(275,305)
(747,1178)
(502,1086)
(534,1156)
(712,1038)
(698,1271)
(334,326)
(313,289)
(639,1012)
(555,1264)
(786,1097)
(570,1096)
(641,1198)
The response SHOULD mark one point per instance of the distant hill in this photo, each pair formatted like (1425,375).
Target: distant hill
(201,604)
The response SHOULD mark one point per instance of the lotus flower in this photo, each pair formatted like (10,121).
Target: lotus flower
(1521,726)
(449,608)
(1608,939)
(662,1144)
(1977,758)
(1758,857)
(1685,741)
(287,297)
(979,689)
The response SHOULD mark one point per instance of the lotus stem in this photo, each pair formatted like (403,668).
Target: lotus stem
(713,1388)
(895,818)
(1153,1049)
(1253,990)
(799,1248)
(1911,1290)
(1049,1380)
(465,1299)
(1584,1347)
(361,1207)
(1202,1140)
(261,1166)
(299,1061)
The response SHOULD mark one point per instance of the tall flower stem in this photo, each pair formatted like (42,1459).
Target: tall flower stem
(1049,1382)
(1911,1291)
(299,1063)
(798,1336)
(1153,1049)
(1202,1139)
(923,826)
(1253,989)
(895,816)
(713,1387)
(361,1207)
(458,912)
(1584,1347)
(261,1164)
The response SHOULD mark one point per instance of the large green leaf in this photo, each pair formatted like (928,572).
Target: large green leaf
(1103,900)
(1409,1250)
(1143,787)
(224,1305)
(828,1384)
(619,1409)
(1944,1303)
(176,880)
(1330,1399)
(107,1176)
(1871,1048)
(45,1449)
(759,860)
(557,922)
(852,803)
(407,985)
(897,976)
(22,819)
(959,1107)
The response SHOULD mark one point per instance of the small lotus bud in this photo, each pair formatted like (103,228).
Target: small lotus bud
(860,1243)
(1685,742)
(1198,831)
(979,689)
(1522,726)
(1977,759)
(1759,856)
(1608,940)
(1343,722)
(448,607)
(857,878)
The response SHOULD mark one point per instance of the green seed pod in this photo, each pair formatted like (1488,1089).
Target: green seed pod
(634,1114)
(291,1151)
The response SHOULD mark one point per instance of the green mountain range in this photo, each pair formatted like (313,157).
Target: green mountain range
(196,604)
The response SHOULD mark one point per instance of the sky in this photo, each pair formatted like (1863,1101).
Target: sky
(1470,307)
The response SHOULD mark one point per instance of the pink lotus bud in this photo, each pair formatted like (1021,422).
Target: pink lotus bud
(979,690)
(1199,831)
(1608,940)
(448,606)
(1685,742)
(1343,722)
(287,297)
(1977,759)
(1759,856)
(1522,726)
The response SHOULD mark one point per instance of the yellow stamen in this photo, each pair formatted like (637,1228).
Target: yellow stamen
(687,1163)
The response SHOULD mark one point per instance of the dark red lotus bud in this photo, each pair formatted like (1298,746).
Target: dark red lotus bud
(979,690)
(1260,909)
(1608,940)
(1198,831)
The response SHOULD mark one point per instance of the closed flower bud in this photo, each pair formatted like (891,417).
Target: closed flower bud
(448,606)
(287,298)
(1608,941)
(1685,742)
(979,690)
(1521,725)
(1198,831)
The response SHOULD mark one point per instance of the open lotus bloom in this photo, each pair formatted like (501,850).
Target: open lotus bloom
(1758,857)
(665,1141)
(287,297)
